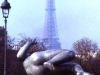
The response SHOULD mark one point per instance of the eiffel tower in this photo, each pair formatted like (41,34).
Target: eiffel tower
(50,34)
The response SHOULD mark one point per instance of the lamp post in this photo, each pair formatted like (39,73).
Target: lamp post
(5,6)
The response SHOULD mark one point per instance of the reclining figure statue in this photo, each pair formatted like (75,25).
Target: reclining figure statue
(49,62)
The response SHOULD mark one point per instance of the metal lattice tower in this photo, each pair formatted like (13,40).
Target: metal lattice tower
(50,36)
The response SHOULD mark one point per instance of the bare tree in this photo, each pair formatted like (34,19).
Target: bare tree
(85,49)
(10,42)
(23,40)
(39,46)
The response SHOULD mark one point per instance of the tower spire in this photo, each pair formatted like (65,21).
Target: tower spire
(50,36)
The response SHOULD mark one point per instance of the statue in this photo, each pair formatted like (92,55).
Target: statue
(49,62)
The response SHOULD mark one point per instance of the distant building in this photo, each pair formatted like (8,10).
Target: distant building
(16,47)
(86,55)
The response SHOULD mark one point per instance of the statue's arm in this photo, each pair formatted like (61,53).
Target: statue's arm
(22,53)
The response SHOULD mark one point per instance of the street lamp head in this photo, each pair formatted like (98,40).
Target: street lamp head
(5,6)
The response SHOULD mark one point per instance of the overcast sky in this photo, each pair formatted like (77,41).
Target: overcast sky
(75,19)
